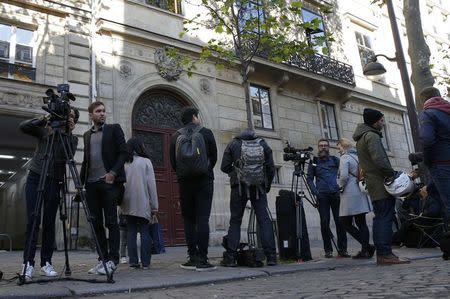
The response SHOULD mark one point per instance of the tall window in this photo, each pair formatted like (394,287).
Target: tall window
(364,48)
(252,13)
(384,140)
(314,35)
(170,5)
(262,112)
(16,53)
(329,124)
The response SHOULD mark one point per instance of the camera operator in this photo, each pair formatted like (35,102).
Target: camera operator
(376,166)
(40,128)
(324,170)
(435,138)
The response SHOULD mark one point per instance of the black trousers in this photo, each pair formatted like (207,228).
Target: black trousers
(102,201)
(331,201)
(196,200)
(360,232)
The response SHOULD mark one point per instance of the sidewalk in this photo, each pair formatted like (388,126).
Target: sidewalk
(165,272)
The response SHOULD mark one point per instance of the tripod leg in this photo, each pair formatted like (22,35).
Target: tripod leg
(61,173)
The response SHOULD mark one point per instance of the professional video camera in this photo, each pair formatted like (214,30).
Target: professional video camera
(58,106)
(296,155)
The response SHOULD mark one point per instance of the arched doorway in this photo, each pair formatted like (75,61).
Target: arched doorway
(156,115)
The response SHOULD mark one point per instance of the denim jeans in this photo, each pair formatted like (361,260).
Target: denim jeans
(440,175)
(102,200)
(50,203)
(327,201)
(196,200)
(384,210)
(237,208)
(141,225)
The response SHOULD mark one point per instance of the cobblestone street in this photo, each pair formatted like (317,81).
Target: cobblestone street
(421,279)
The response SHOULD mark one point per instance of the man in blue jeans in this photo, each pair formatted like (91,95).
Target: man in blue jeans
(324,171)
(435,138)
(375,163)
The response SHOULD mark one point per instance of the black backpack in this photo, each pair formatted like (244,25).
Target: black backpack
(190,153)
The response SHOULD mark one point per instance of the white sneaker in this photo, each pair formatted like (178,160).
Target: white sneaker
(124,260)
(94,270)
(29,272)
(48,270)
(111,268)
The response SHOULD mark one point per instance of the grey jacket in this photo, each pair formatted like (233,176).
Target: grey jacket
(373,160)
(353,201)
(140,195)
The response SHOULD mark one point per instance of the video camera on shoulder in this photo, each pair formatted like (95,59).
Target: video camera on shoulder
(58,105)
(296,155)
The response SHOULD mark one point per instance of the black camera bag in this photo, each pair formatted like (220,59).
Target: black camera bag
(250,256)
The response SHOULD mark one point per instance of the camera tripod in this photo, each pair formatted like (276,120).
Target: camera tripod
(299,192)
(59,142)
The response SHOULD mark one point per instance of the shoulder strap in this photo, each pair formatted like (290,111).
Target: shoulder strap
(357,163)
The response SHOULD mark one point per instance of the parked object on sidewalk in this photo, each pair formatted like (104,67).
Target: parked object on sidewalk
(249,256)
(157,237)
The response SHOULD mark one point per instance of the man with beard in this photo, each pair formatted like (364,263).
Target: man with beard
(435,138)
(324,170)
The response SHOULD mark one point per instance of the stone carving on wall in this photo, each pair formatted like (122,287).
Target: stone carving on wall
(170,68)
(158,110)
(205,86)
(24,101)
(125,70)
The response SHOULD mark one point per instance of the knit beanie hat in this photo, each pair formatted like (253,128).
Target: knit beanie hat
(371,116)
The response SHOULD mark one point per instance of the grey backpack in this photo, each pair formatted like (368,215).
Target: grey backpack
(250,166)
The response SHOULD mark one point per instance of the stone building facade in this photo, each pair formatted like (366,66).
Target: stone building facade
(115,51)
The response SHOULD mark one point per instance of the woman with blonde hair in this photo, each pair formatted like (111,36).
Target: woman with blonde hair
(354,204)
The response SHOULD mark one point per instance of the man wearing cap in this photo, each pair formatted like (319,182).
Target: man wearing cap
(435,139)
(376,166)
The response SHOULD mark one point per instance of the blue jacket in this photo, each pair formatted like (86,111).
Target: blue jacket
(325,174)
(435,136)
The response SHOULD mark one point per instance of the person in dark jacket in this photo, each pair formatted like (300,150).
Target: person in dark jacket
(196,193)
(240,194)
(40,128)
(375,163)
(103,175)
(324,171)
(435,139)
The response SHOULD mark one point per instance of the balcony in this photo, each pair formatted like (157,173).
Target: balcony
(22,72)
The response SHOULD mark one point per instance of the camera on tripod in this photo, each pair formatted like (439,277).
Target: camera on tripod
(296,155)
(58,105)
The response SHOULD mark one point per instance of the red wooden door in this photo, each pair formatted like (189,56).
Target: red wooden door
(156,115)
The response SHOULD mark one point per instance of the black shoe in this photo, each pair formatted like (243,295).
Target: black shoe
(229,259)
(343,254)
(191,264)
(362,255)
(272,259)
(371,250)
(328,254)
(204,265)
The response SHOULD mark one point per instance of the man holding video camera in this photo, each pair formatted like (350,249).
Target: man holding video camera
(324,171)
(40,129)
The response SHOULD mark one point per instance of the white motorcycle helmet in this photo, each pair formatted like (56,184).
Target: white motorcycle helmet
(401,186)
(363,187)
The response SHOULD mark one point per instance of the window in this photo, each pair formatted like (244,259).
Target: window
(329,124)
(384,140)
(262,112)
(364,48)
(170,5)
(16,53)
(314,36)
(251,12)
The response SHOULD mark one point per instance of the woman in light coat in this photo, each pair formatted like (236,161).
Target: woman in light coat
(140,201)
(354,204)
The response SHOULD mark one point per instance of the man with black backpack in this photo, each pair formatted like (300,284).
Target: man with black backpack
(193,154)
(324,171)
(248,161)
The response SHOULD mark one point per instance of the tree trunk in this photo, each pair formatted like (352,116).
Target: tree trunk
(418,50)
(248,104)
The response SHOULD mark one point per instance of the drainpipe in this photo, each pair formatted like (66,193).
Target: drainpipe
(93,57)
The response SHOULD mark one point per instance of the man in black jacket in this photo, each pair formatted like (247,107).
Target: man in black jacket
(103,175)
(40,128)
(241,193)
(196,192)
